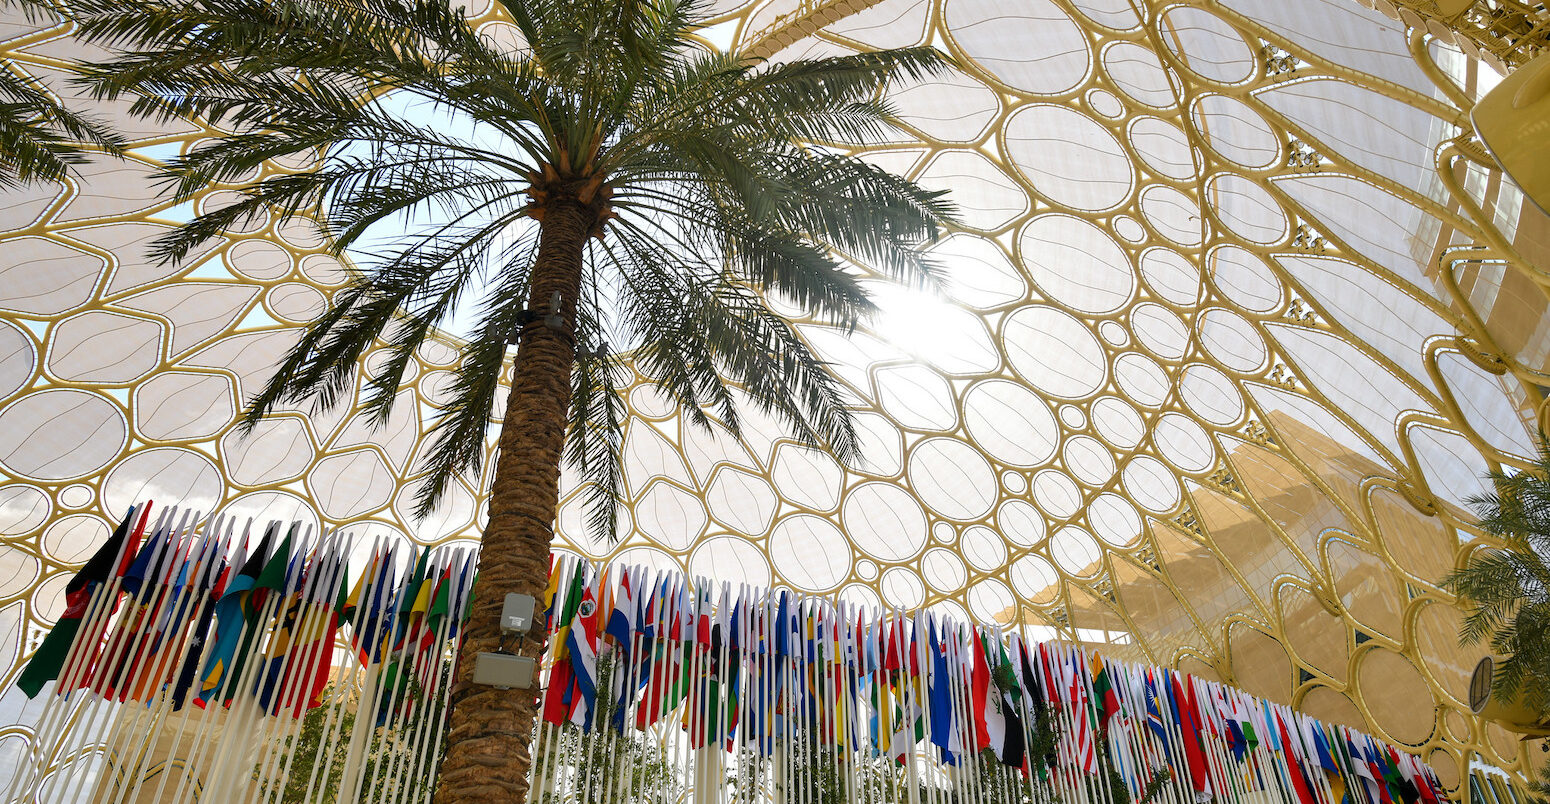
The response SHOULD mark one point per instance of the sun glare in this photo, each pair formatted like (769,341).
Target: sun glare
(924,325)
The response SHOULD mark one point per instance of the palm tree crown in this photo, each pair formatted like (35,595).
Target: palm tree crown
(613,178)
(1508,587)
(696,172)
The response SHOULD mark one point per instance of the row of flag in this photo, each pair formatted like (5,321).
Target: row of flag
(744,669)
(220,635)
(224,634)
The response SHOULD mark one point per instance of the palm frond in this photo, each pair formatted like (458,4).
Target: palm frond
(1506,588)
(720,176)
(41,139)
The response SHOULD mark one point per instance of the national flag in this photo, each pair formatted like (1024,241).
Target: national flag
(49,659)
(551,589)
(938,681)
(665,681)
(1300,781)
(1246,723)
(559,694)
(231,618)
(166,634)
(736,659)
(141,583)
(211,581)
(980,704)
(1011,748)
(643,619)
(371,618)
(321,651)
(300,582)
(1189,730)
(621,618)
(1036,701)
(1326,759)
(414,602)
(582,647)
(1154,717)
(1362,770)
(1103,691)
(1402,787)
(1083,741)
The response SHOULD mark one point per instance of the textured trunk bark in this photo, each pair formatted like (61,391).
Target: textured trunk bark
(490,730)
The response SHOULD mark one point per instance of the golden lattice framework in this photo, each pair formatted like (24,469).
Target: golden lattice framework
(1241,314)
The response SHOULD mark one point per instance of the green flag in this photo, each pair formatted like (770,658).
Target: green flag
(272,576)
(342,600)
(442,602)
(49,659)
(416,578)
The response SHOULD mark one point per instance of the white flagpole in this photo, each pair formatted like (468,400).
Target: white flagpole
(127,720)
(133,671)
(229,780)
(81,656)
(226,552)
(193,763)
(119,657)
(318,572)
(191,605)
(381,611)
(461,575)
(216,710)
(383,773)
(402,709)
(333,724)
(297,700)
(311,566)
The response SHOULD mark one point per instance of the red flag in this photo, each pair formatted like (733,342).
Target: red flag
(979,683)
(1189,727)
(556,710)
(893,635)
(1299,781)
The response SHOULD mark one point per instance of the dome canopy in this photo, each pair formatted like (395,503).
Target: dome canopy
(1239,314)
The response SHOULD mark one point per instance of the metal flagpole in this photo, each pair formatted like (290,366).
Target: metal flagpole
(117,750)
(401,709)
(298,697)
(383,617)
(248,634)
(57,708)
(333,722)
(120,657)
(228,552)
(227,781)
(320,573)
(192,605)
(206,715)
(455,610)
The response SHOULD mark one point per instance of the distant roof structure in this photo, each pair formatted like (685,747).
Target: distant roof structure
(1240,314)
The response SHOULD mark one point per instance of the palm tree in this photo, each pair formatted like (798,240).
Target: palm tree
(612,177)
(1508,587)
(40,140)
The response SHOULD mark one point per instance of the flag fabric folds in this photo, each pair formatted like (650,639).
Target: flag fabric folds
(259,620)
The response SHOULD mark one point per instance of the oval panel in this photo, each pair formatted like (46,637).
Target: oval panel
(1069,157)
(1010,423)
(883,520)
(60,433)
(809,553)
(952,478)
(1076,263)
(1054,352)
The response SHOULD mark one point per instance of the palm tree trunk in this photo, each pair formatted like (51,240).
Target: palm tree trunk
(490,730)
